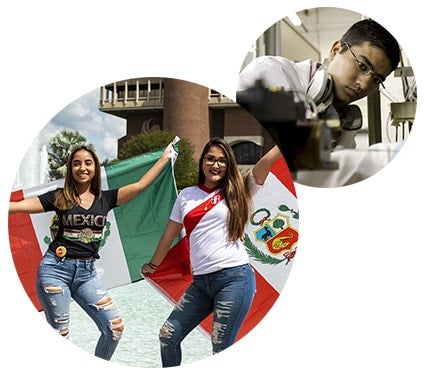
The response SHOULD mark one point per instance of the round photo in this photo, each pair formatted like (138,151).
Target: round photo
(153,222)
(336,91)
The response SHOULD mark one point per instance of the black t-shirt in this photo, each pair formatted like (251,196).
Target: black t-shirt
(78,229)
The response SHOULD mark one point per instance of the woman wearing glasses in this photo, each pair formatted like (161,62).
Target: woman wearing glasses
(357,65)
(213,214)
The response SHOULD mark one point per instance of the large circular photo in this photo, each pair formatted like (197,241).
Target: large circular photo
(153,222)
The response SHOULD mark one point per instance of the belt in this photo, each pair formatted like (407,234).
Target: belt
(61,252)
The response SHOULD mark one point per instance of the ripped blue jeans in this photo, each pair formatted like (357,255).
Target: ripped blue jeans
(227,293)
(59,281)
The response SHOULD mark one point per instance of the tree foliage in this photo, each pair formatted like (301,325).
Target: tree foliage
(59,149)
(278,223)
(186,169)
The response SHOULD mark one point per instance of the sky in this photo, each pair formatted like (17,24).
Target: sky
(82,115)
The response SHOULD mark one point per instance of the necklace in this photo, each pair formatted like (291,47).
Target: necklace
(84,199)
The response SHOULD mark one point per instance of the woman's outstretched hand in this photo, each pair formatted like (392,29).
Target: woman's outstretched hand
(170,151)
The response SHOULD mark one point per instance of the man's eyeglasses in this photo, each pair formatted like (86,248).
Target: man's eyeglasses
(210,160)
(366,70)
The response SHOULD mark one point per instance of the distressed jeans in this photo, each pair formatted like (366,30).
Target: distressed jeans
(59,281)
(227,293)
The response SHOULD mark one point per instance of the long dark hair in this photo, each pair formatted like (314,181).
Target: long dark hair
(68,196)
(233,189)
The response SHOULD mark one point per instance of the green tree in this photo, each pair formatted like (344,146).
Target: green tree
(107,162)
(278,223)
(186,169)
(59,149)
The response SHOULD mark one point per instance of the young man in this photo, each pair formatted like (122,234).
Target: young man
(357,65)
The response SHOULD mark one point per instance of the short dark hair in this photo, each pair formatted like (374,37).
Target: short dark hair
(368,30)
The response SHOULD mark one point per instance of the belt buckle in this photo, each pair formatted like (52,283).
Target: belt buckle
(60,251)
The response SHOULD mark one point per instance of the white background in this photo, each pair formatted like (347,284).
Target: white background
(353,302)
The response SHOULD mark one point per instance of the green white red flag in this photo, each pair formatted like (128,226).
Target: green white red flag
(128,240)
(133,231)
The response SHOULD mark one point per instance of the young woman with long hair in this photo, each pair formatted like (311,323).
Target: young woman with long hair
(67,270)
(213,214)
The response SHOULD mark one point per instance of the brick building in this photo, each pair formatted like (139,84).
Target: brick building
(194,112)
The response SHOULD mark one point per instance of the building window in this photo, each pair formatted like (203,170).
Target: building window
(246,152)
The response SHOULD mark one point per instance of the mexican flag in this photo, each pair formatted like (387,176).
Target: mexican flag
(133,231)
(271,238)
(129,238)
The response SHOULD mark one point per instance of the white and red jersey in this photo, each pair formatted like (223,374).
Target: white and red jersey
(210,249)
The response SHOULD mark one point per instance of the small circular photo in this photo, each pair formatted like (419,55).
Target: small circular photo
(335,90)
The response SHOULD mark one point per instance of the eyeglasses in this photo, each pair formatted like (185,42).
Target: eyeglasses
(211,160)
(366,70)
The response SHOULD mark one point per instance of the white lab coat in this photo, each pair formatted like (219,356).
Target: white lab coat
(354,165)
(276,71)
